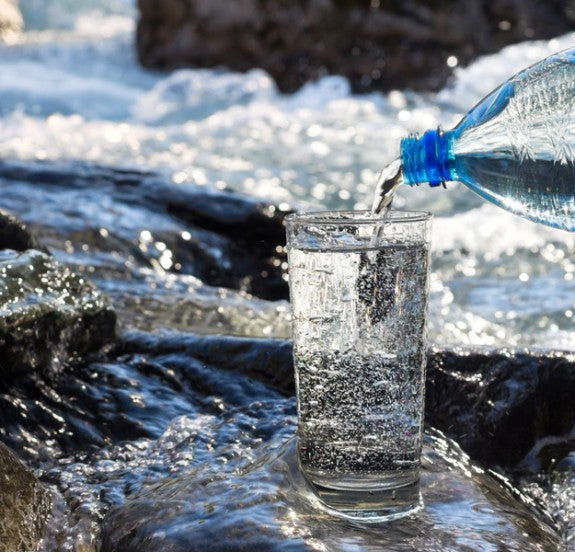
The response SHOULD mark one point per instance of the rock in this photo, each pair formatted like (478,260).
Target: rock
(10,18)
(267,505)
(14,235)
(146,382)
(24,505)
(508,409)
(265,360)
(394,44)
(48,314)
(162,404)
(502,407)
(224,238)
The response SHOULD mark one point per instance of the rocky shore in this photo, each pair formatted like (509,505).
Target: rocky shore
(158,434)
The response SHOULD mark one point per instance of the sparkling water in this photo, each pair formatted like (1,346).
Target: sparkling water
(359,351)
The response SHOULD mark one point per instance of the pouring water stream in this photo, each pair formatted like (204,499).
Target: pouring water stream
(388,181)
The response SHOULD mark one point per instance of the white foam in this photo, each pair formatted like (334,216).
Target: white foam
(196,94)
(489,229)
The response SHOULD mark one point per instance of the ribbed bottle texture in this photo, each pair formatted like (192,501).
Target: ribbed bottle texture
(516,148)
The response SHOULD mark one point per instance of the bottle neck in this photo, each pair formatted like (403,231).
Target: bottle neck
(426,158)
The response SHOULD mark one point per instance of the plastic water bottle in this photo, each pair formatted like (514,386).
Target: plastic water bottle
(516,148)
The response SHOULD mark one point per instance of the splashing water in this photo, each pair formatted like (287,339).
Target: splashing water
(508,282)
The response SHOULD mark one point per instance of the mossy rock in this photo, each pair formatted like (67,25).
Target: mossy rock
(24,505)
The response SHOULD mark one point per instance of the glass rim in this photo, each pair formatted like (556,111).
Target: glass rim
(356,217)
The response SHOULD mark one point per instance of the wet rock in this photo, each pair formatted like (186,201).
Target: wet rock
(265,360)
(48,314)
(163,404)
(224,238)
(14,234)
(267,505)
(24,505)
(10,17)
(147,381)
(512,411)
(508,409)
(393,44)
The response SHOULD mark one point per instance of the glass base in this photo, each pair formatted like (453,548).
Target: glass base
(367,501)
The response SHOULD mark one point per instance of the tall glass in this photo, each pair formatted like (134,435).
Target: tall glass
(359,287)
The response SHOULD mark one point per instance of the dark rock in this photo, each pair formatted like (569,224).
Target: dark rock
(147,381)
(221,237)
(267,505)
(24,505)
(509,409)
(14,234)
(379,45)
(98,431)
(502,407)
(10,17)
(265,360)
(48,314)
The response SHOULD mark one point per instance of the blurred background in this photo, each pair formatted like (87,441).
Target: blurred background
(302,104)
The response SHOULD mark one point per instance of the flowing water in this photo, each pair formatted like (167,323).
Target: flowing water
(71,89)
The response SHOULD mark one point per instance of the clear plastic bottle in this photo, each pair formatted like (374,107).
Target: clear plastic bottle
(516,148)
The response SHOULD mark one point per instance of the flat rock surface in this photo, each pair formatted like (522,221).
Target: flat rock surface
(267,505)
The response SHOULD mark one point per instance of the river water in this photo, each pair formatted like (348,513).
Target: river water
(71,89)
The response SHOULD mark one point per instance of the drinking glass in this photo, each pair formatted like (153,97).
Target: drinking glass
(359,288)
